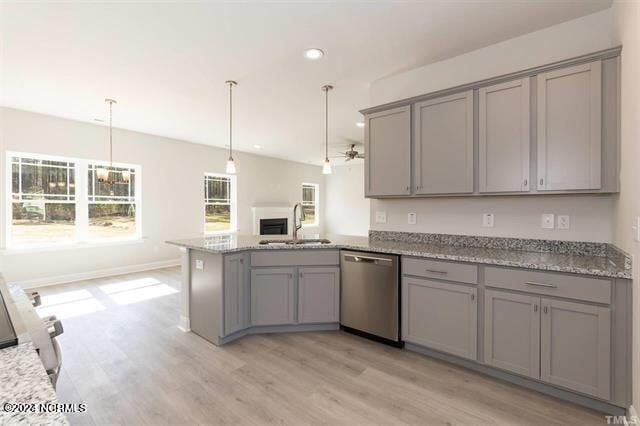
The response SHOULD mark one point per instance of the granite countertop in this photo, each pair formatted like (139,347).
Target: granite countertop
(596,259)
(23,380)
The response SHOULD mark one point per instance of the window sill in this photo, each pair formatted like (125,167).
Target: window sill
(71,246)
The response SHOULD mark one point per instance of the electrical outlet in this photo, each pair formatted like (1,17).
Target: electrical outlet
(636,230)
(381,217)
(487,220)
(548,221)
(412,218)
(200,264)
(564,221)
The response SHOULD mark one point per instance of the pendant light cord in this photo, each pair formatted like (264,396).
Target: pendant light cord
(230,119)
(326,124)
(110,134)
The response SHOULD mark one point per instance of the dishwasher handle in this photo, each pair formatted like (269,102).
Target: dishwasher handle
(368,259)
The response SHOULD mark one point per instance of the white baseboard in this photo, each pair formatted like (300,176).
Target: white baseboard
(184,324)
(100,273)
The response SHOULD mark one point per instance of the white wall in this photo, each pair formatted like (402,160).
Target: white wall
(591,216)
(627,203)
(573,38)
(346,209)
(172,189)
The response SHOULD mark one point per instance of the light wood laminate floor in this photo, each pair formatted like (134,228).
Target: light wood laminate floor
(125,358)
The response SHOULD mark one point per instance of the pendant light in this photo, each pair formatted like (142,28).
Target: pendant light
(231,165)
(103,172)
(326,166)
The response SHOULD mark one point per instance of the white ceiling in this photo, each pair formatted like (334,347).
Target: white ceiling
(166,62)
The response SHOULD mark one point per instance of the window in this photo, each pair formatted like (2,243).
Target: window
(55,200)
(219,203)
(310,204)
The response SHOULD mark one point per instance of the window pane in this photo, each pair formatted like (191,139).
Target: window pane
(42,223)
(15,178)
(308,194)
(217,189)
(310,215)
(217,218)
(112,220)
(46,182)
(114,190)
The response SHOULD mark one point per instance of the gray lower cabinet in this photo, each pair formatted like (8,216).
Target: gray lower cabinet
(388,153)
(272,296)
(236,293)
(440,316)
(318,295)
(576,345)
(443,134)
(512,332)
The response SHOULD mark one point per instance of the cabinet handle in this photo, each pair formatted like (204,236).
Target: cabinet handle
(435,271)
(300,275)
(291,276)
(541,181)
(473,296)
(526,182)
(241,260)
(407,188)
(541,284)
(545,310)
(535,308)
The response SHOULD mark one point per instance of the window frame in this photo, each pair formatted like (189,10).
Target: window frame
(233,204)
(81,202)
(316,190)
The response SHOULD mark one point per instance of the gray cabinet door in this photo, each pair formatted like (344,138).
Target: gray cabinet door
(236,293)
(512,332)
(440,315)
(503,135)
(387,164)
(318,295)
(576,344)
(569,128)
(444,145)
(272,296)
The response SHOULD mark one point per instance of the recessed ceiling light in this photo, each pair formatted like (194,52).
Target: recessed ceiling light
(313,54)
(360,124)
(257,146)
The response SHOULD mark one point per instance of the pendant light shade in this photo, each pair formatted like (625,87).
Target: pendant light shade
(326,166)
(103,172)
(231,164)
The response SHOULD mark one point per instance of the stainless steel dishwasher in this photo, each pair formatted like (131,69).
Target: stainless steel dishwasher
(370,295)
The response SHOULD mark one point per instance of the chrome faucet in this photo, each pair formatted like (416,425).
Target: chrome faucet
(296,225)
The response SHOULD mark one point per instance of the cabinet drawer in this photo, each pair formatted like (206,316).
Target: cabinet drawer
(450,271)
(549,283)
(295,257)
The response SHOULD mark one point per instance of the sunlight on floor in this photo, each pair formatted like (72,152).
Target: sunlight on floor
(69,304)
(133,291)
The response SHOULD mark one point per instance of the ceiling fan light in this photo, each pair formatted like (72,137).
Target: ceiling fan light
(103,174)
(326,167)
(231,166)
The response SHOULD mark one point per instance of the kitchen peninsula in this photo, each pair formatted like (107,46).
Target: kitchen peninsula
(551,315)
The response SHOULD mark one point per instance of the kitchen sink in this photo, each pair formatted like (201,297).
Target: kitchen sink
(294,242)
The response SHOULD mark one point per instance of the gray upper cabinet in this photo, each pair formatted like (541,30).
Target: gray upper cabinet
(444,145)
(441,316)
(388,153)
(512,332)
(503,136)
(576,345)
(272,296)
(318,295)
(569,128)
(236,293)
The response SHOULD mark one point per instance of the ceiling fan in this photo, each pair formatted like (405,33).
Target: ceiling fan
(351,153)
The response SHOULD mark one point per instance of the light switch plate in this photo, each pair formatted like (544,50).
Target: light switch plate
(412,218)
(381,217)
(564,221)
(548,221)
(200,264)
(487,220)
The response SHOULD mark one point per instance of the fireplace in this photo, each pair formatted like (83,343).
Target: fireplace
(277,226)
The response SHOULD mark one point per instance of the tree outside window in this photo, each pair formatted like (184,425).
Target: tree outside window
(219,202)
(310,204)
